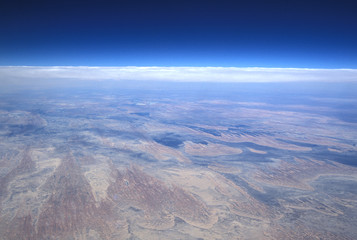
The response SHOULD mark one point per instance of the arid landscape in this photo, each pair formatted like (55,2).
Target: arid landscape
(154,162)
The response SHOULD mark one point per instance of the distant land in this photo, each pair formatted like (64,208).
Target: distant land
(129,157)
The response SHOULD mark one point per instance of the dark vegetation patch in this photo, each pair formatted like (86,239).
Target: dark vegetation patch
(142,114)
(213,132)
(269,197)
(142,156)
(244,131)
(200,142)
(169,140)
(300,144)
(251,145)
(347,158)
(135,209)
(248,157)
(337,186)
(26,130)
(230,160)
(240,126)
(122,118)
(179,220)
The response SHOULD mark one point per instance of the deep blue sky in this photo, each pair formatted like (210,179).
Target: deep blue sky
(315,34)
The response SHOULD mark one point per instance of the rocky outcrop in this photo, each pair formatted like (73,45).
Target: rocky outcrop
(159,202)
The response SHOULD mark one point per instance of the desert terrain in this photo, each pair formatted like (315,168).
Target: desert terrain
(128,163)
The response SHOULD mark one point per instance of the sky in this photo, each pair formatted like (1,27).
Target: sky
(268,34)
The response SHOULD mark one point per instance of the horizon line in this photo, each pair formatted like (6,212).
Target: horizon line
(173,66)
(180,74)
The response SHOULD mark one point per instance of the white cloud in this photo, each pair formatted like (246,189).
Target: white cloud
(184,74)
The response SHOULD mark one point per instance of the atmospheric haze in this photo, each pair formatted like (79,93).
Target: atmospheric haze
(90,153)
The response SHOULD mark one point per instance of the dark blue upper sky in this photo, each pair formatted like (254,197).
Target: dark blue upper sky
(316,34)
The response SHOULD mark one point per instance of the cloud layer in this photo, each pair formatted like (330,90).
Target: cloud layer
(180,74)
